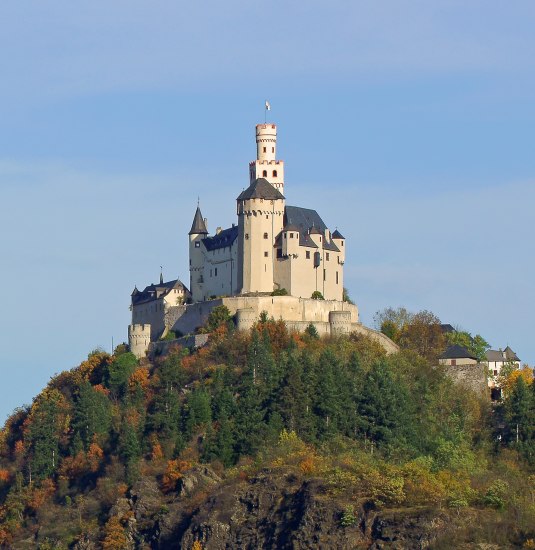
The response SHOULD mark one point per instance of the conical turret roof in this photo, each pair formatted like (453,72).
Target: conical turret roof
(198,226)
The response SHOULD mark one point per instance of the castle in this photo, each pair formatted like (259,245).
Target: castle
(277,258)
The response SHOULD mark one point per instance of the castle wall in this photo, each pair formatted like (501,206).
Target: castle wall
(472,376)
(150,313)
(220,271)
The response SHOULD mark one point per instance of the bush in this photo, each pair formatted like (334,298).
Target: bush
(317,295)
(280,292)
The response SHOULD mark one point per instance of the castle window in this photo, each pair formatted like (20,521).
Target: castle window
(265,235)
(308,254)
(337,277)
(291,235)
(274,173)
(267,217)
(342,243)
(327,256)
(273,149)
(246,236)
(265,254)
(264,172)
(279,252)
(324,274)
(216,271)
(264,149)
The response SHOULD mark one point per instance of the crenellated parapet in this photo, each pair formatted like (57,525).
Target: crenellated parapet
(139,339)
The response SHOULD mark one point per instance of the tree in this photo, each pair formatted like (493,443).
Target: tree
(424,335)
(44,430)
(114,535)
(317,295)
(92,414)
(198,410)
(519,413)
(383,406)
(476,345)
(118,373)
(219,316)
(345,296)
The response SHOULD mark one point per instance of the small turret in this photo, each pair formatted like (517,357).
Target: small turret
(196,261)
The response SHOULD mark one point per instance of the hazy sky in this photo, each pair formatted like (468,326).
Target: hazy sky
(407,125)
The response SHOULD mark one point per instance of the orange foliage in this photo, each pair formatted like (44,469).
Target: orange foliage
(85,370)
(94,457)
(41,494)
(4,475)
(156,450)
(101,389)
(115,535)
(277,332)
(73,466)
(173,472)
(133,417)
(139,379)
(196,545)
(19,448)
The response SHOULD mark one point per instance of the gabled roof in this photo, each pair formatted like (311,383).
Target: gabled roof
(222,239)
(153,292)
(457,352)
(308,221)
(510,354)
(198,227)
(498,355)
(337,235)
(260,189)
(304,218)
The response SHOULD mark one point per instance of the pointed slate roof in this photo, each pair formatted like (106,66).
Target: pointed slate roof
(337,235)
(260,189)
(198,227)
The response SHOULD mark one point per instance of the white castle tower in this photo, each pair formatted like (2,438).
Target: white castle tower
(266,166)
(260,210)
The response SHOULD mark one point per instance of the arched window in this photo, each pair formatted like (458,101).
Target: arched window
(265,235)
(264,174)
(274,173)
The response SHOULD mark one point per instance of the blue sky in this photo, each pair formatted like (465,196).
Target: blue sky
(408,125)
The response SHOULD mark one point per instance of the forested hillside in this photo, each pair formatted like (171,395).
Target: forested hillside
(330,441)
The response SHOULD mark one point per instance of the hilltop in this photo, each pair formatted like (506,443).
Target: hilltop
(268,438)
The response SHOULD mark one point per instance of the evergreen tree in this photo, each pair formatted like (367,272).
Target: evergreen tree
(43,437)
(519,414)
(198,410)
(382,409)
(92,414)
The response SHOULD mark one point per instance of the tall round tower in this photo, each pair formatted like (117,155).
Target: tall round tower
(266,141)
(266,164)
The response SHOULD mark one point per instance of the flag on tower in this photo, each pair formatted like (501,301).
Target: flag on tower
(268,106)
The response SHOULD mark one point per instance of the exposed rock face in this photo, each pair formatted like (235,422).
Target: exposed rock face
(284,512)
